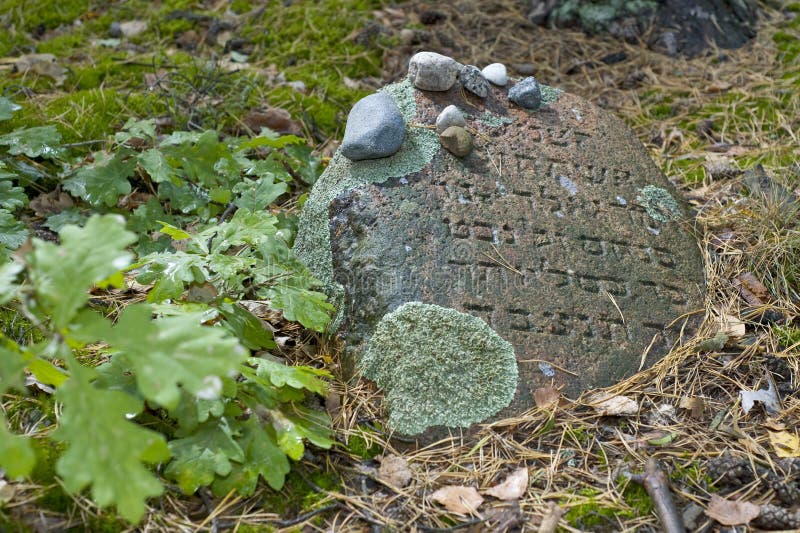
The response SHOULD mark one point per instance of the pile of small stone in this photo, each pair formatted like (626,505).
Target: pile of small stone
(375,127)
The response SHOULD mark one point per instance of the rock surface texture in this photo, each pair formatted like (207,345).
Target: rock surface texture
(430,71)
(473,81)
(375,128)
(557,230)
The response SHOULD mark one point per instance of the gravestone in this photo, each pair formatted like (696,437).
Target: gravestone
(557,230)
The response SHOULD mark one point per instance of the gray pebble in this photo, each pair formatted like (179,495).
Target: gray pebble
(375,128)
(496,73)
(473,80)
(526,94)
(430,71)
(457,140)
(115,30)
(450,116)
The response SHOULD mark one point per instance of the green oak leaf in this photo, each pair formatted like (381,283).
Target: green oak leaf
(171,273)
(293,428)
(102,182)
(245,227)
(104,448)
(12,232)
(8,281)
(297,377)
(7,108)
(257,194)
(203,455)
(11,197)
(140,129)
(247,327)
(12,364)
(41,141)
(173,353)
(62,274)
(262,457)
(310,308)
(157,166)
(16,454)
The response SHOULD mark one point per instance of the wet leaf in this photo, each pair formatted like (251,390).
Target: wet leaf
(730,512)
(514,486)
(458,499)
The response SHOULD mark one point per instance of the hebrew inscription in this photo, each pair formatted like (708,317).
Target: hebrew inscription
(537,232)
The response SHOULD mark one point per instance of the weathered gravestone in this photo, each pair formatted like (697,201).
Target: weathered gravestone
(557,230)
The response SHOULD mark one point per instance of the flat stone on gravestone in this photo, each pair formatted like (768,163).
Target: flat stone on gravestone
(557,230)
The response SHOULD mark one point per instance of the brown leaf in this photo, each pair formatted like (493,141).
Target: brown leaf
(394,471)
(718,87)
(607,405)
(731,513)
(731,326)
(514,486)
(546,397)
(696,406)
(54,201)
(458,499)
(274,118)
(42,64)
(751,289)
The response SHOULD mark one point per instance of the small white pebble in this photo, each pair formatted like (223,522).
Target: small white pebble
(496,73)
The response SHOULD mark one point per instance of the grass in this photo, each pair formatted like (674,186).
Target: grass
(705,122)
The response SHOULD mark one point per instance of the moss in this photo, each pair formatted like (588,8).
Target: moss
(659,203)
(636,497)
(312,244)
(439,367)
(298,495)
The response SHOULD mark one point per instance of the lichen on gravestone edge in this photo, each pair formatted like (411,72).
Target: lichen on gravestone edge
(439,367)
(312,245)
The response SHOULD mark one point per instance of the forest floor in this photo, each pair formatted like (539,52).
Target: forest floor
(723,127)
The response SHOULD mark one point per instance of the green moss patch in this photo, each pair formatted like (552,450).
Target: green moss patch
(439,367)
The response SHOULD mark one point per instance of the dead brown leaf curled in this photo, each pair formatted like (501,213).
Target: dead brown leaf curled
(731,512)
(458,499)
(514,486)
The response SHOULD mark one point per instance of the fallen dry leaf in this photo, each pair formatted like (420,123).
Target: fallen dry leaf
(786,444)
(546,397)
(395,471)
(614,405)
(54,201)
(718,87)
(730,325)
(42,64)
(731,513)
(514,486)
(696,406)
(458,499)
(131,28)
(751,289)
(551,517)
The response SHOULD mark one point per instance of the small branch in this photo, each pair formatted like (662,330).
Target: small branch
(656,485)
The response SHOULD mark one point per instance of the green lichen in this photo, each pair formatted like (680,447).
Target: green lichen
(659,203)
(313,242)
(439,367)
(494,121)
(549,94)
(596,16)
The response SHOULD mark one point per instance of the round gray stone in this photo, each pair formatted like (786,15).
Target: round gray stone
(473,81)
(430,71)
(526,93)
(496,73)
(375,129)
(450,116)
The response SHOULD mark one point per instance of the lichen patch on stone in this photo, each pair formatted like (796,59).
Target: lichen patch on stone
(439,367)
(313,245)
(659,204)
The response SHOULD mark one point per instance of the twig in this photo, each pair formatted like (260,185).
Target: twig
(306,516)
(655,483)
(456,527)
